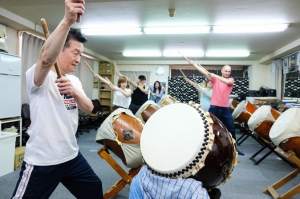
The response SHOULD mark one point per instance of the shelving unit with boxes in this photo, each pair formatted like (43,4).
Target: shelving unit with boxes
(106,70)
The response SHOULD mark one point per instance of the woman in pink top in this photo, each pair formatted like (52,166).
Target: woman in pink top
(219,101)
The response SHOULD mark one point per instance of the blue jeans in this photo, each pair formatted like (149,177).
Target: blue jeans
(224,115)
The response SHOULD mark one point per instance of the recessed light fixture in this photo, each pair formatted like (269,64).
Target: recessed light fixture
(227,54)
(142,54)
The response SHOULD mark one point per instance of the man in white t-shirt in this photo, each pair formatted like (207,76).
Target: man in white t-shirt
(52,154)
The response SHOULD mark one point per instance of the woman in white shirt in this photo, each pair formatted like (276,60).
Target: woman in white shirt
(122,95)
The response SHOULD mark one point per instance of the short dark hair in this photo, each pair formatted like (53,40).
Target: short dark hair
(142,77)
(74,34)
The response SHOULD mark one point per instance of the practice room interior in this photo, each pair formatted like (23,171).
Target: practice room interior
(260,40)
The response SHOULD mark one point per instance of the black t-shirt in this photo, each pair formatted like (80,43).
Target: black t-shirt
(138,97)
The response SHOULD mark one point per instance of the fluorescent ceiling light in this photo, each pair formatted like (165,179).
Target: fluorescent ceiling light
(250,28)
(142,54)
(227,54)
(177,30)
(185,53)
(112,31)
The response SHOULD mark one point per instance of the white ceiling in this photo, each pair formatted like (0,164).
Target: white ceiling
(147,13)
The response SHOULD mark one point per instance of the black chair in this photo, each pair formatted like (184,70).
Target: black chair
(83,123)
(25,114)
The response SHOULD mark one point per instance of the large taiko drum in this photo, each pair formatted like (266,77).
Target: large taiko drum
(167,100)
(262,120)
(146,110)
(243,111)
(120,133)
(184,141)
(285,132)
(232,104)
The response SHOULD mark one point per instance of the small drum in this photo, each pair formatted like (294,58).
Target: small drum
(232,104)
(120,133)
(285,132)
(166,100)
(192,144)
(146,110)
(262,120)
(243,111)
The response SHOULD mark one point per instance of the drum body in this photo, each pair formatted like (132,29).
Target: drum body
(262,120)
(285,132)
(120,133)
(243,111)
(146,110)
(166,100)
(192,144)
(232,104)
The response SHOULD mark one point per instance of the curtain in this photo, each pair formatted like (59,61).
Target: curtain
(278,79)
(85,75)
(29,57)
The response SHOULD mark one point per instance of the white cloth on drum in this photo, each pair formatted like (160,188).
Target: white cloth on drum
(132,152)
(286,126)
(148,186)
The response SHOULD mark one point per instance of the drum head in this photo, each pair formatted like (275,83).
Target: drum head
(286,126)
(261,114)
(173,137)
(240,108)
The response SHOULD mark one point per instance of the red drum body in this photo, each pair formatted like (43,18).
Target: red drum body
(232,104)
(243,111)
(146,110)
(120,133)
(262,120)
(293,144)
(192,144)
(285,132)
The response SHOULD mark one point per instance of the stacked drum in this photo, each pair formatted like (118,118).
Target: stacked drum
(243,112)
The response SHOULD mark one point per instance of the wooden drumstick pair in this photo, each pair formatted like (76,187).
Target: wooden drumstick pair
(189,60)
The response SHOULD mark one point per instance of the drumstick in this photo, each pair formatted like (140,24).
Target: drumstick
(78,18)
(135,76)
(189,59)
(46,32)
(183,56)
(90,68)
(182,73)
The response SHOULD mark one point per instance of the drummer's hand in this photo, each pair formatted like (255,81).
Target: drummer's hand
(192,62)
(72,8)
(97,76)
(65,86)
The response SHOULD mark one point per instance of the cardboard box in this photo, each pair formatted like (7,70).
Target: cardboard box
(19,156)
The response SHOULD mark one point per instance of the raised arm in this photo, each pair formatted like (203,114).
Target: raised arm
(200,69)
(108,83)
(128,79)
(54,44)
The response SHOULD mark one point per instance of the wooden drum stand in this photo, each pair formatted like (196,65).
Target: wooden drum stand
(293,191)
(126,178)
